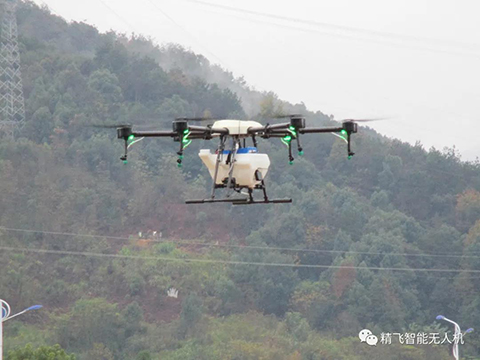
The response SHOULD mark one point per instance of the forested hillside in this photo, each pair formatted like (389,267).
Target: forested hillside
(280,282)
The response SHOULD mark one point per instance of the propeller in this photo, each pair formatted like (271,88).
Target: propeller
(287,116)
(364,120)
(147,126)
(141,122)
(116,126)
(111,126)
(195,119)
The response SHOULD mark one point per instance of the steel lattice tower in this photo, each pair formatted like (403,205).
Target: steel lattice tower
(12,102)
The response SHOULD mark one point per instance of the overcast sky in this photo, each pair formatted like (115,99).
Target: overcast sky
(417,61)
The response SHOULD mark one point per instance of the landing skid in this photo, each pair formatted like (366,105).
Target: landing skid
(242,201)
(274,201)
(245,201)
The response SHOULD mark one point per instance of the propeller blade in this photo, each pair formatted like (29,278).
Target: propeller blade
(147,126)
(195,119)
(112,126)
(287,116)
(364,120)
(116,126)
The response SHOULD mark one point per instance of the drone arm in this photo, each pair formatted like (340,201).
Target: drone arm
(154,134)
(182,133)
(255,130)
(268,128)
(275,135)
(197,128)
(198,136)
(278,126)
(208,130)
(319,130)
(198,132)
(348,128)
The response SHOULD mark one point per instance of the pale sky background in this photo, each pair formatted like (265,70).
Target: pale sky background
(417,61)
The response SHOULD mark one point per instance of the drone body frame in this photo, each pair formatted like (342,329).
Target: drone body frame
(235,166)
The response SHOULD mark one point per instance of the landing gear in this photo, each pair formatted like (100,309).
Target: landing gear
(266,200)
(249,199)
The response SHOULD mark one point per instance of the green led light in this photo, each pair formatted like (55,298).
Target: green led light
(286,140)
(349,157)
(291,128)
(185,140)
(131,137)
(290,162)
(300,153)
(125,162)
(181,157)
(343,132)
(179,165)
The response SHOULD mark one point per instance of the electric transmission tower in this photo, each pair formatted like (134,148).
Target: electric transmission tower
(12,102)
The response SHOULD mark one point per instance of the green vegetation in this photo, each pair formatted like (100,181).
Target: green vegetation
(62,176)
(42,353)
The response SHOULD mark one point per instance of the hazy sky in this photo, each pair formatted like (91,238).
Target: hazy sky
(417,61)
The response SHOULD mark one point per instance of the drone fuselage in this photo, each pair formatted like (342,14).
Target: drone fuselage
(248,167)
(238,166)
(236,127)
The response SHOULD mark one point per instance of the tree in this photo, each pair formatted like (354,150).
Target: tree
(192,309)
(270,106)
(273,287)
(468,209)
(40,128)
(96,321)
(392,167)
(42,353)
(143,355)
(99,352)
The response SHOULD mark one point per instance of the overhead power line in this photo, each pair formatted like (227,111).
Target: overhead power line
(349,29)
(379,37)
(125,21)
(231,262)
(193,37)
(251,247)
(170,19)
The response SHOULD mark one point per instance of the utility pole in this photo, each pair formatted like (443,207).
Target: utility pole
(457,336)
(5,315)
(12,101)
